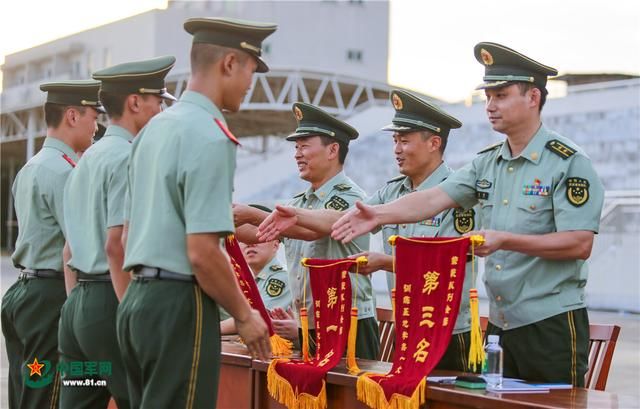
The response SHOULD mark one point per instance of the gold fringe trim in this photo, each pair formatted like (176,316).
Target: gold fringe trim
(280,346)
(476,352)
(372,394)
(281,390)
(352,364)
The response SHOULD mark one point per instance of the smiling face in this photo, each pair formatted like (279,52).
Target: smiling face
(415,151)
(314,158)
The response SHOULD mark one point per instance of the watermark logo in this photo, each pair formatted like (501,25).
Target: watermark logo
(39,374)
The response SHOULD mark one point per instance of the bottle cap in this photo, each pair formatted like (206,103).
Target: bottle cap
(493,339)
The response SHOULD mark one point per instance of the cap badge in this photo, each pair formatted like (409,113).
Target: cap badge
(397,102)
(298,113)
(487,59)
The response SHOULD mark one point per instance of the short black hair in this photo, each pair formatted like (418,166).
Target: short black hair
(343,147)
(113,103)
(525,86)
(443,139)
(53,113)
(204,54)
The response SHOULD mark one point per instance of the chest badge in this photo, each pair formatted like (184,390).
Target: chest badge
(536,189)
(337,203)
(463,220)
(577,191)
(275,287)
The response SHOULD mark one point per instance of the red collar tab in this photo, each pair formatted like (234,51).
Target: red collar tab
(68,159)
(227,132)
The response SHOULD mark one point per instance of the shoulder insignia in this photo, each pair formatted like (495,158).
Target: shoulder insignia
(560,148)
(275,287)
(396,179)
(227,132)
(69,160)
(491,147)
(342,187)
(463,220)
(276,267)
(298,195)
(336,203)
(577,191)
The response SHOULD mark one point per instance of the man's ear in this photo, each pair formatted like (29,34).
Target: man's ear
(228,63)
(71,116)
(535,96)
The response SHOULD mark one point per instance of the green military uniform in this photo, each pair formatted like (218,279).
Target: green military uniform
(31,306)
(273,284)
(414,114)
(94,200)
(180,183)
(536,304)
(338,193)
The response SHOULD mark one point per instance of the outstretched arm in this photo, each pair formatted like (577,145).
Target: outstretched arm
(408,209)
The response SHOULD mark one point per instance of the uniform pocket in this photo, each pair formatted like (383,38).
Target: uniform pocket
(535,215)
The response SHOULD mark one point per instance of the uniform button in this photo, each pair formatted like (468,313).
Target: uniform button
(498,267)
(310,207)
(498,298)
(505,202)
(505,325)
(510,169)
(404,226)
(322,194)
(532,207)
(298,277)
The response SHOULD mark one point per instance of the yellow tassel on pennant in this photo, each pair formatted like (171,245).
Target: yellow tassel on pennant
(476,352)
(306,401)
(280,346)
(304,323)
(352,365)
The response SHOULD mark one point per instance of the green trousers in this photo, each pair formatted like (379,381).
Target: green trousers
(169,337)
(367,339)
(87,334)
(555,349)
(30,315)
(456,357)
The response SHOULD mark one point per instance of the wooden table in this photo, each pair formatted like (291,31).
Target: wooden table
(243,373)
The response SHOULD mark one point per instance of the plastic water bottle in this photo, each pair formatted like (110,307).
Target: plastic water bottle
(492,368)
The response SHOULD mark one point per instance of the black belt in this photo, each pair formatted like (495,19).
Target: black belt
(152,273)
(93,278)
(29,274)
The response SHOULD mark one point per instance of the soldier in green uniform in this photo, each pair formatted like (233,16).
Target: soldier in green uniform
(132,93)
(31,306)
(541,200)
(179,208)
(271,278)
(420,134)
(322,143)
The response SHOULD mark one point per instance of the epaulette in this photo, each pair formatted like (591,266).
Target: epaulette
(342,187)
(491,147)
(560,149)
(276,267)
(396,179)
(298,195)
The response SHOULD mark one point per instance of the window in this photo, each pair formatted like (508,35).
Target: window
(354,55)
